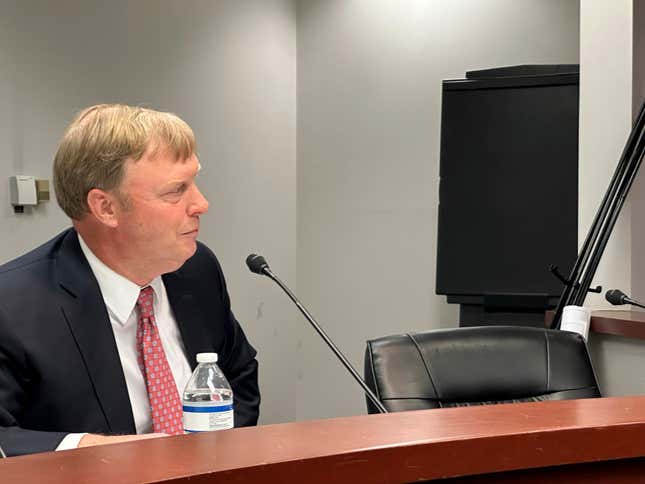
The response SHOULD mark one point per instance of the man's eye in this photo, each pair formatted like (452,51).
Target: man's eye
(177,191)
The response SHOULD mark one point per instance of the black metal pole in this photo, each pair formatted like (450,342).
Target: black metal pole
(628,170)
(592,249)
(571,291)
(628,180)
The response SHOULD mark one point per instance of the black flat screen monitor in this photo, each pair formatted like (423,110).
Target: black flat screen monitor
(508,196)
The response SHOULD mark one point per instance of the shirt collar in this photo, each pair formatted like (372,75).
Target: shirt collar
(119,293)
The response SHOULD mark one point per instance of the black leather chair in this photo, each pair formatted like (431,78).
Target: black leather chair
(478,366)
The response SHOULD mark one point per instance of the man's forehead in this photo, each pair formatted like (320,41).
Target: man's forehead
(163,166)
(159,148)
(166,154)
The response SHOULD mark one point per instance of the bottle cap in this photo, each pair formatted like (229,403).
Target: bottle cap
(206,357)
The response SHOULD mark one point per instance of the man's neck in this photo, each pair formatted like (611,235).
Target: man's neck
(112,255)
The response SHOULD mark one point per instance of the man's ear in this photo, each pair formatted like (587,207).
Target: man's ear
(103,206)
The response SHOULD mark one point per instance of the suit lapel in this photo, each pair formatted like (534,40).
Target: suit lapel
(188,317)
(89,323)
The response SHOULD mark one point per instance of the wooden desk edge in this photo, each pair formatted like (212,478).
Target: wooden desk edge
(629,324)
(403,447)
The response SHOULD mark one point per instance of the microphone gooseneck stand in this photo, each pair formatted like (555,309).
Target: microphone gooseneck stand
(584,269)
(619,298)
(258,265)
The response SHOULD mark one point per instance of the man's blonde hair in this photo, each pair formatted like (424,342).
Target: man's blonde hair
(96,145)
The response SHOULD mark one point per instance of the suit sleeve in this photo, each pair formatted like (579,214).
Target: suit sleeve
(239,364)
(14,384)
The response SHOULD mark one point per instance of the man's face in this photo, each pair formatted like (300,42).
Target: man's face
(159,222)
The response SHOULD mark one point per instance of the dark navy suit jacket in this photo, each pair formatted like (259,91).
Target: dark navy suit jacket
(59,365)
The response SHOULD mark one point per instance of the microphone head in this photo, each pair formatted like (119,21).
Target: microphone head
(615,297)
(257,263)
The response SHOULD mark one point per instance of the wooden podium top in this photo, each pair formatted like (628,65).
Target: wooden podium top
(630,324)
(398,447)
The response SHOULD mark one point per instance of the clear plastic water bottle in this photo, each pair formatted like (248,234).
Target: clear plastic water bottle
(208,398)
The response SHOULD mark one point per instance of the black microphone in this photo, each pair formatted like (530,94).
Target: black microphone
(258,265)
(618,298)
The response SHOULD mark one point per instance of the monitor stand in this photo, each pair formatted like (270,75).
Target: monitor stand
(503,309)
(477,315)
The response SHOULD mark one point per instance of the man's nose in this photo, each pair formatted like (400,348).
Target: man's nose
(199,203)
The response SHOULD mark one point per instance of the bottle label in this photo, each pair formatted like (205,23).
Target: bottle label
(206,417)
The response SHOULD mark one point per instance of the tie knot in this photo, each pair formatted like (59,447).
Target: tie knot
(144,301)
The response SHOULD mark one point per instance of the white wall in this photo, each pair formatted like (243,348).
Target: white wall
(612,68)
(367,126)
(369,84)
(637,195)
(605,122)
(226,67)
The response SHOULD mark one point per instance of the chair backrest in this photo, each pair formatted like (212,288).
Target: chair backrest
(478,366)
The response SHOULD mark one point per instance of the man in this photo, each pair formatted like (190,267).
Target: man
(99,327)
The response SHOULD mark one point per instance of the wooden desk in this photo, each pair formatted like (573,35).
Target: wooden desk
(596,440)
(630,324)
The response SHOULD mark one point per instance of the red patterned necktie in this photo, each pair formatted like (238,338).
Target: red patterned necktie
(165,403)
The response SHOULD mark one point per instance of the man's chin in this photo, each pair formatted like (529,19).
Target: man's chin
(186,254)
(191,248)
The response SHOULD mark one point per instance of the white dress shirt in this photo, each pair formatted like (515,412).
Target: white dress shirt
(120,297)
